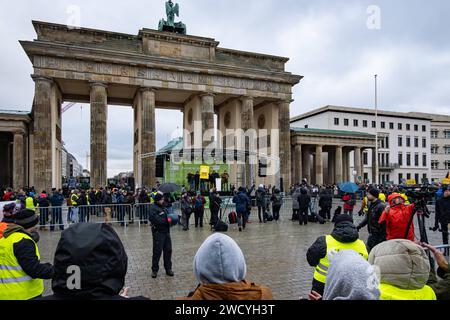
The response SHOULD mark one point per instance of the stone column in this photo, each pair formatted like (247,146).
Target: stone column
(331,166)
(357,162)
(148,136)
(18,161)
(247,124)
(207,104)
(99,118)
(374,166)
(298,163)
(306,161)
(42,134)
(285,142)
(346,165)
(319,165)
(338,166)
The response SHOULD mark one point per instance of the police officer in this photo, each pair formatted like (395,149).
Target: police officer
(345,236)
(162,243)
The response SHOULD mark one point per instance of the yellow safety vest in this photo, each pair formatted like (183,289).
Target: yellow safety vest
(404,196)
(74,199)
(15,284)
(29,203)
(332,244)
(389,292)
(87,200)
(382,197)
(366,207)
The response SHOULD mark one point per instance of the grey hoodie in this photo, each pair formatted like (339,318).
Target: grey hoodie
(219,261)
(351,277)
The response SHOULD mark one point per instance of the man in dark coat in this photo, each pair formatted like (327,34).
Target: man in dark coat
(162,243)
(303,203)
(261,202)
(442,218)
(242,202)
(325,204)
(377,231)
(101,262)
(56,200)
(214,206)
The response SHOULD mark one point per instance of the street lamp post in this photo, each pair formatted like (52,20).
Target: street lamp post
(376,132)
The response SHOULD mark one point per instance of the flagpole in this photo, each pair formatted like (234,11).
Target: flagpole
(376,132)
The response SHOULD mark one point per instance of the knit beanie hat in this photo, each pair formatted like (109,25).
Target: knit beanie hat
(26,218)
(375,192)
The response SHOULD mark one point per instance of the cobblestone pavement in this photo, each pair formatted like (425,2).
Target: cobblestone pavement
(275,255)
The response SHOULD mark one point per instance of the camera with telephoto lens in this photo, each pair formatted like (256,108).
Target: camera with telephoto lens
(420,193)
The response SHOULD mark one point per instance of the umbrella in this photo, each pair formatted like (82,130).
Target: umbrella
(348,187)
(169,188)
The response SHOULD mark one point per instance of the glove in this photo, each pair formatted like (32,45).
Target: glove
(361,213)
(169,220)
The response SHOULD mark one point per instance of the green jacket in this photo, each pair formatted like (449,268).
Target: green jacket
(440,287)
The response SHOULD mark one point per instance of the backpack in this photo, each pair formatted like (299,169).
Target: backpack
(198,203)
(232,218)
(221,226)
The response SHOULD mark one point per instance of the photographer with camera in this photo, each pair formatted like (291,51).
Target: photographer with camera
(397,217)
(442,218)
(377,231)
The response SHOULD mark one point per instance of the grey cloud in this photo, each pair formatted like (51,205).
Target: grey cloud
(327,41)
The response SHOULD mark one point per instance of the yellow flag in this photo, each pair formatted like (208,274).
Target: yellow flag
(204,172)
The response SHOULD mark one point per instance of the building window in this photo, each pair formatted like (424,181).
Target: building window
(416,142)
(447,134)
(447,165)
(346,121)
(408,142)
(366,158)
(408,159)
(424,142)
(400,159)
(365,124)
(424,160)
(434,134)
(416,127)
(447,149)
(336,121)
(408,127)
(383,125)
(400,126)
(424,128)
(434,165)
(355,123)
(374,124)
(400,141)
(424,178)
(306,126)
(416,160)
(408,176)
(416,177)
(434,149)
(391,125)
(400,178)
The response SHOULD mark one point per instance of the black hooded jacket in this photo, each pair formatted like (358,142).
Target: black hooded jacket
(344,232)
(372,217)
(98,252)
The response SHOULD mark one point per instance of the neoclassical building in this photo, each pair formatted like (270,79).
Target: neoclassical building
(150,70)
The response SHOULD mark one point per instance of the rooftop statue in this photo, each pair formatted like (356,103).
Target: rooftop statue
(170,25)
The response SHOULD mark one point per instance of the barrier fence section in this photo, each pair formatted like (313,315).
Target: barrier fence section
(59,217)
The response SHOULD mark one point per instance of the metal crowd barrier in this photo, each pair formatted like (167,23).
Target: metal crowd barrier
(58,217)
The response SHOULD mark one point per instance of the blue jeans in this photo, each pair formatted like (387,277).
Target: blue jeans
(57,219)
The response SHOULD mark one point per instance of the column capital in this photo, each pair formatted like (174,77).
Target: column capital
(20,132)
(37,78)
(145,89)
(207,94)
(243,98)
(285,101)
(98,84)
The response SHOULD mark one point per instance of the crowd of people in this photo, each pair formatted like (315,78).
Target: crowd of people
(346,268)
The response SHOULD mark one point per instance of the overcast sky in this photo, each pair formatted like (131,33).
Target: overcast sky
(328,42)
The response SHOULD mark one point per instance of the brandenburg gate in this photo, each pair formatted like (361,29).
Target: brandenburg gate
(153,69)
